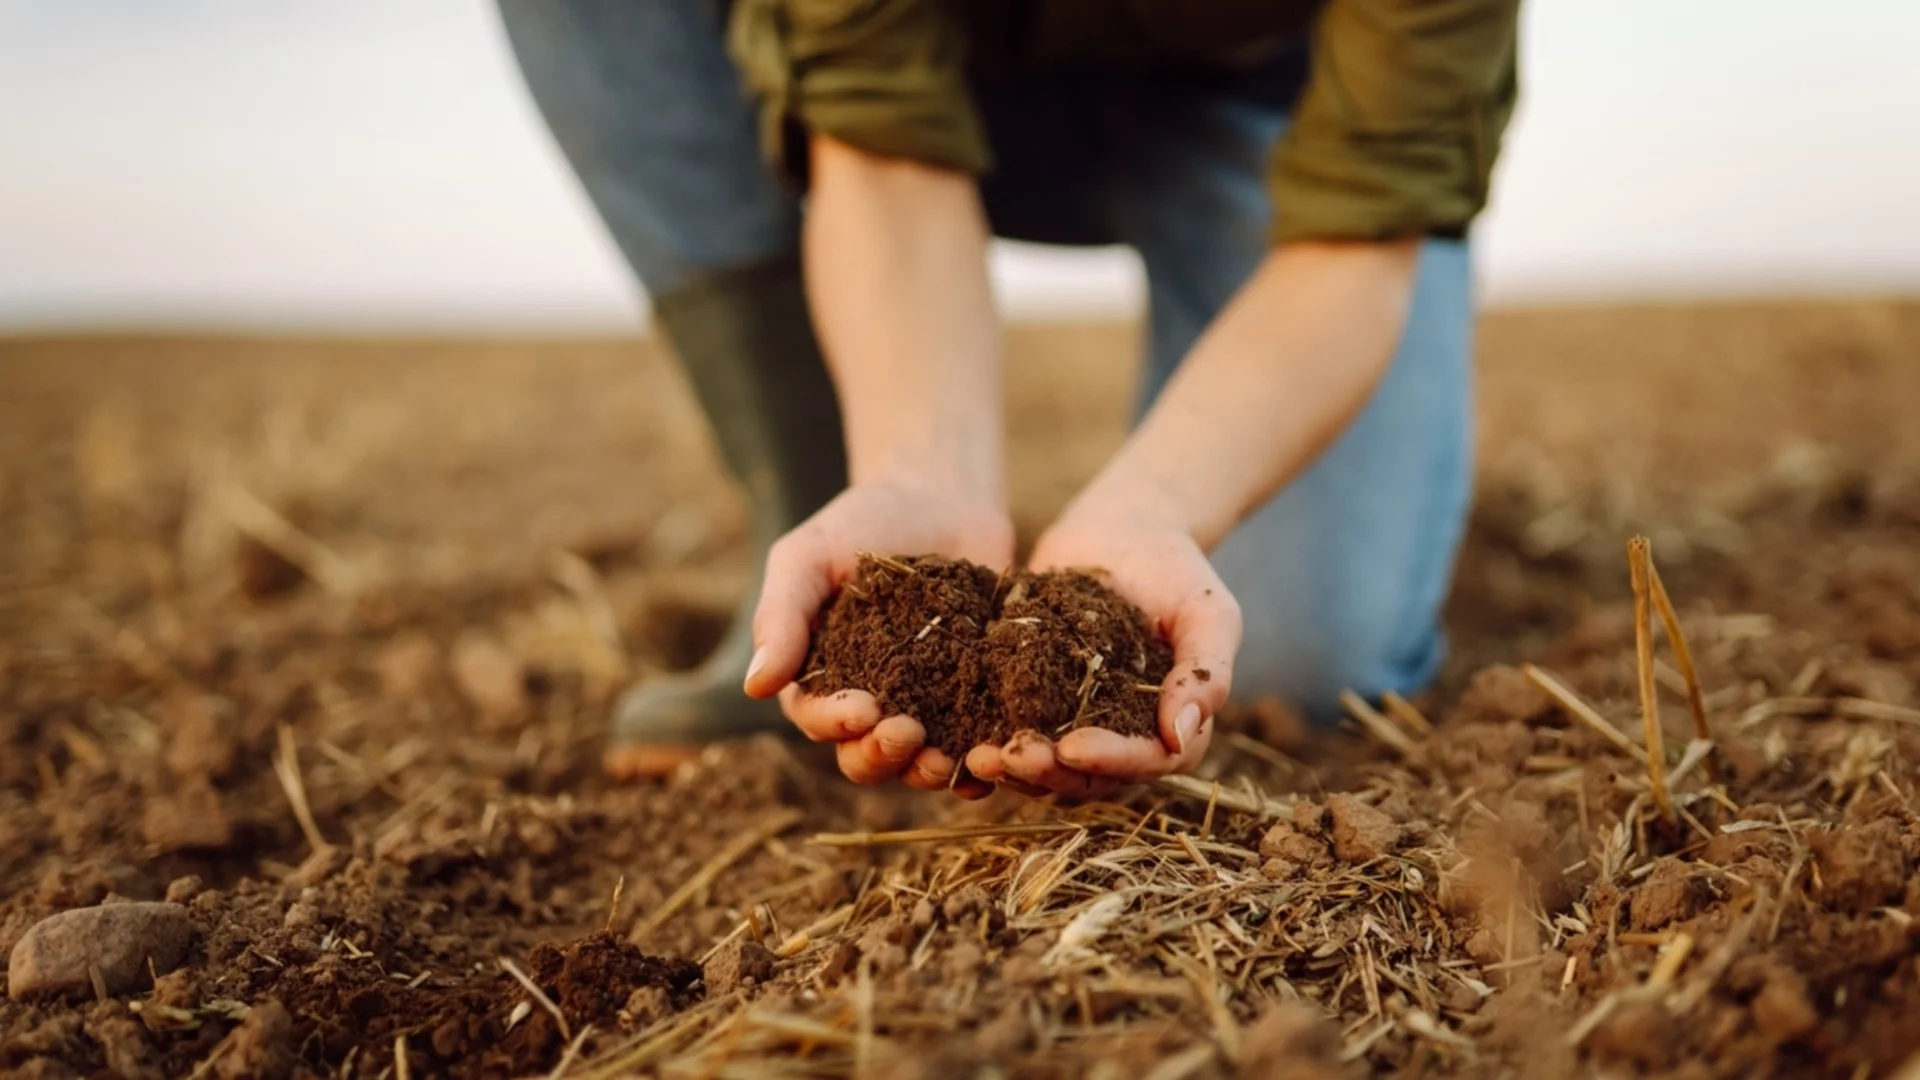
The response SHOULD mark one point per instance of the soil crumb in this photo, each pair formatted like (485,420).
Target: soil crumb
(976,656)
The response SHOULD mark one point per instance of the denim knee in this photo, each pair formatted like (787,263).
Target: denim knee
(649,111)
(1333,651)
(1342,576)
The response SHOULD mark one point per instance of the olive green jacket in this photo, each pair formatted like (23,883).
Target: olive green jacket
(1395,134)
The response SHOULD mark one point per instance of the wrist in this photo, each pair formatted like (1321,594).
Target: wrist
(1132,494)
(975,481)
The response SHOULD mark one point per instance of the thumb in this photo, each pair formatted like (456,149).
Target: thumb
(798,583)
(1206,636)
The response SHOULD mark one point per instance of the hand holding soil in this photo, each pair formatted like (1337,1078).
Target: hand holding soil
(993,668)
(808,566)
(1184,603)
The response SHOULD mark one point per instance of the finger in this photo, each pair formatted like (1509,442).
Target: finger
(836,717)
(984,762)
(1029,758)
(930,770)
(1101,753)
(883,752)
(1206,635)
(798,581)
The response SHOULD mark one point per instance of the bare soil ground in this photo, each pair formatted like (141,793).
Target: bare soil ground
(314,639)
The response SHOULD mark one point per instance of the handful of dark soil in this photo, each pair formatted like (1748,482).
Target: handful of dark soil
(975,656)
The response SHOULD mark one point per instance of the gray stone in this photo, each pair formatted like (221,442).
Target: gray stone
(123,943)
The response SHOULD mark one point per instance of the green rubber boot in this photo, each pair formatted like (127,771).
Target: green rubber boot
(746,342)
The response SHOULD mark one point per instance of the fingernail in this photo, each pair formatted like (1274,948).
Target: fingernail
(754,665)
(1186,727)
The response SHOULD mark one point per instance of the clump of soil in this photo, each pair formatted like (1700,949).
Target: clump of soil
(976,656)
(481,1023)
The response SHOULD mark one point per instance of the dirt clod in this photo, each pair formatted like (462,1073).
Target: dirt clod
(1671,892)
(1285,841)
(1360,832)
(594,977)
(740,965)
(975,656)
(63,953)
(1862,868)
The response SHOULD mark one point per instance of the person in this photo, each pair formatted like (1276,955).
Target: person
(807,189)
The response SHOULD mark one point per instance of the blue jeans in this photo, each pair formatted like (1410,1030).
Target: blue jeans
(1342,575)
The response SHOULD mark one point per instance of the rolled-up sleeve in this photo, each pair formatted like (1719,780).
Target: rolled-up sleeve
(1401,120)
(886,76)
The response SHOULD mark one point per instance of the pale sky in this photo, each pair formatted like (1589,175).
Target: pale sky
(375,164)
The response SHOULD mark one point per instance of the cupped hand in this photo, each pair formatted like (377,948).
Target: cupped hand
(1148,557)
(806,567)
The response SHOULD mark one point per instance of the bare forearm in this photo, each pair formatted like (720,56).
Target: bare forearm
(1282,371)
(895,256)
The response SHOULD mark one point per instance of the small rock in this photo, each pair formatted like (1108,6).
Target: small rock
(1503,692)
(318,867)
(1285,842)
(489,675)
(59,954)
(1360,832)
(261,1048)
(300,915)
(1281,870)
(183,889)
(407,664)
(738,966)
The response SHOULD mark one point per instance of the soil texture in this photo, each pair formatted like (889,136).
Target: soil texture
(976,656)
